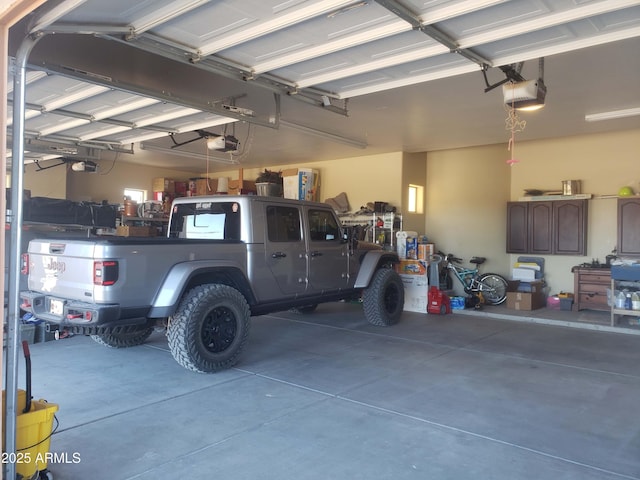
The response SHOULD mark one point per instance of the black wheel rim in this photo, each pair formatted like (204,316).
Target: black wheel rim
(219,329)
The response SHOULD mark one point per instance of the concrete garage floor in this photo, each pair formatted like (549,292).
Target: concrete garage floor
(326,396)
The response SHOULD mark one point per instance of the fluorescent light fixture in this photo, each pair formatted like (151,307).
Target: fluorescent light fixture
(528,95)
(627,112)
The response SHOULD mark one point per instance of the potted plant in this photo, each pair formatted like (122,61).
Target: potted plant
(269,183)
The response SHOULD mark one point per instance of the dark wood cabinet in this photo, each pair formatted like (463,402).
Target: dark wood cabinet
(556,227)
(628,226)
(590,288)
(541,228)
(517,228)
(570,227)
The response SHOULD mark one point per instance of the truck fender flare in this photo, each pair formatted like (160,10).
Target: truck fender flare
(372,261)
(174,284)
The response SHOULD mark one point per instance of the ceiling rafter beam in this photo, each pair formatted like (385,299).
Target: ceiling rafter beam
(416,23)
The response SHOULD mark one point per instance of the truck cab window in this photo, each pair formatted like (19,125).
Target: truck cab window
(323,226)
(206,220)
(283,224)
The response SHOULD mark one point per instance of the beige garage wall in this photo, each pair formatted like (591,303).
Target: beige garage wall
(112,178)
(466,195)
(603,163)
(364,179)
(51,182)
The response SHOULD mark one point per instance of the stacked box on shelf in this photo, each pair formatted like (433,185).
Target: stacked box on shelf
(301,183)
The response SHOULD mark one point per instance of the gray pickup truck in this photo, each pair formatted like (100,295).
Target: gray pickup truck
(225,259)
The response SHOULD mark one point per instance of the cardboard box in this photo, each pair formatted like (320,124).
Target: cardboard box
(246,187)
(416,292)
(135,231)
(411,267)
(163,184)
(206,186)
(526,295)
(301,183)
(525,301)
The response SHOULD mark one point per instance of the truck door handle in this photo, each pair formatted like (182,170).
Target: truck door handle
(278,255)
(316,254)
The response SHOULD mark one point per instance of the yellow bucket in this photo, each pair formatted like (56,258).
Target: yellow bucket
(33,435)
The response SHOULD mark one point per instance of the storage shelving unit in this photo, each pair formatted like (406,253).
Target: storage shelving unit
(391,223)
(624,276)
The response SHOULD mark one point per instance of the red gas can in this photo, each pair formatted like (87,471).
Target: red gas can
(439,302)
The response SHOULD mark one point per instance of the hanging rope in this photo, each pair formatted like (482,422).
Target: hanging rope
(514,125)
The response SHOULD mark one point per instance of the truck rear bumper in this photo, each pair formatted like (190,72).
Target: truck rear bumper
(72,313)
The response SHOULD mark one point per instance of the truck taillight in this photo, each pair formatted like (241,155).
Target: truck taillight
(24,266)
(105,272)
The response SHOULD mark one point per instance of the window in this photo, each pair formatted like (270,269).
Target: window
(138,196)
(283,224)
(323,226)
(415,199)
(206,220)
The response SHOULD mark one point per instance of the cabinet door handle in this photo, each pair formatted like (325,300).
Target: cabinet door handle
(278,255)
(316,254)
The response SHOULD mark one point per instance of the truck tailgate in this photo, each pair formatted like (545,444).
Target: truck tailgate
(62,268)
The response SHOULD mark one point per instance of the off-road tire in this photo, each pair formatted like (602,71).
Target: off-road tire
(498,285)
(123,340)
(209,329)
(383,300)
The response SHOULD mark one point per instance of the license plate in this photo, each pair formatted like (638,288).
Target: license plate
(56,307)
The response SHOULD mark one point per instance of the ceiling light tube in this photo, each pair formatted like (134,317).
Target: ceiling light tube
(627,112)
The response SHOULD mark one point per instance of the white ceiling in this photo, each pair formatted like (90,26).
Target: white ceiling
(298,81)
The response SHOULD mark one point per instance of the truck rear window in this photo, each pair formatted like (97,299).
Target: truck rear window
(206,220)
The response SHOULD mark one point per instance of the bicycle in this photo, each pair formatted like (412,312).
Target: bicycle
(489,288)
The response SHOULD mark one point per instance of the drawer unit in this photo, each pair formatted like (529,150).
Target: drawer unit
(590,287)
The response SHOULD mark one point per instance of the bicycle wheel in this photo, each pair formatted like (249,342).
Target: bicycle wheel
(493,288)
